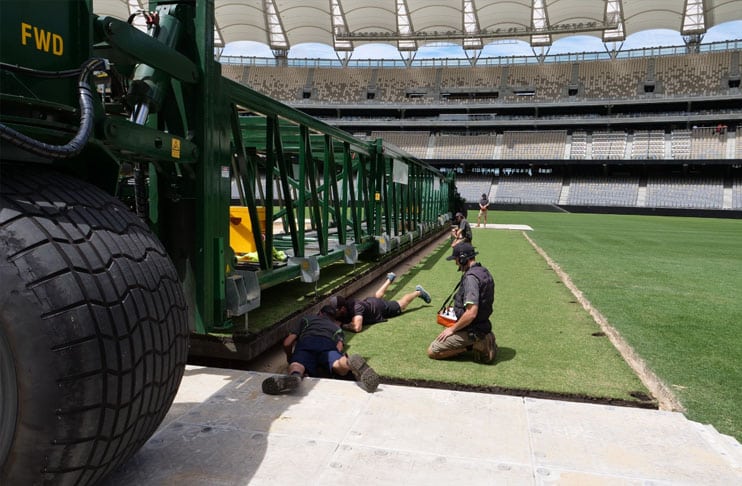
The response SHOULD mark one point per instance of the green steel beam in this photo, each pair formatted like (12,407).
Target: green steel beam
(202,130)
(147,50)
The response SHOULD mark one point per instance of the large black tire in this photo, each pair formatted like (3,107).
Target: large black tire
(93,330)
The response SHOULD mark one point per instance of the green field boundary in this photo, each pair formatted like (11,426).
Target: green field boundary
(671,287)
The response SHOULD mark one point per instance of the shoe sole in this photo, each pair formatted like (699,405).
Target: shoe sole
(363,372)
(424,294)
(486,351)
(275,385)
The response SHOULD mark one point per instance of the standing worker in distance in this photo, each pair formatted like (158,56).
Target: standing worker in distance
(473,306)
(483,206)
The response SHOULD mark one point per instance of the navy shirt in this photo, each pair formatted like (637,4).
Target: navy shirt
(319,326)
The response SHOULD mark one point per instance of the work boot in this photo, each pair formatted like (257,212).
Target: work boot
(391,276)
(485,349)
(423,294)
(363,372)
(275,385)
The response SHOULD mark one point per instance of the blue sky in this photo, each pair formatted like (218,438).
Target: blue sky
(649,38)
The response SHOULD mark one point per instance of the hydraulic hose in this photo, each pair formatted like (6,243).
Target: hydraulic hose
(78,142)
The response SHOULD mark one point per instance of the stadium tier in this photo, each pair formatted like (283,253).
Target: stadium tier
(651,128)
(589,76)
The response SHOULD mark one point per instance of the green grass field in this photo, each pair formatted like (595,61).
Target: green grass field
(669,285)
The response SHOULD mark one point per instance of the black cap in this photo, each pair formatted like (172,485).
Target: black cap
(462,250)
(329,311)
(337,301)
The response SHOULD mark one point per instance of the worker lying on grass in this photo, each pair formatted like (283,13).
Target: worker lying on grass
(355,313)
(472,305)
(315,342)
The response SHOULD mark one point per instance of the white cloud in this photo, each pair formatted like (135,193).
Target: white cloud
(375,51)
(653,38)
(507,48)
(247,49)
(312,51)
(726,31)
(577,43)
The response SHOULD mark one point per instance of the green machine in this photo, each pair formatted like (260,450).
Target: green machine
(124,156)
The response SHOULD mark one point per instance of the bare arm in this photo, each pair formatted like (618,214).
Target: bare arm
(466,318)
(355,325)
(288,345)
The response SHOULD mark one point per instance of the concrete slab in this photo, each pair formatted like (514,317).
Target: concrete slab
(222,430)
(513,227)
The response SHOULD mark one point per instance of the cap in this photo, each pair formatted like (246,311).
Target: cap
(329,311)
(462,250)
(337,301)
(459,215)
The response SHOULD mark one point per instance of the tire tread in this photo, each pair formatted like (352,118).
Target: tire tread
(112,307)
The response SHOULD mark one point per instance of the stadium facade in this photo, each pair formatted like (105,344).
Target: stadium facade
(653,129)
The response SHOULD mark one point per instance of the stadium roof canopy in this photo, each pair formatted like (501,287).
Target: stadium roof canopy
(409,24)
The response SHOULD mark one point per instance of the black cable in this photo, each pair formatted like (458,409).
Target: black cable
(68,73)
(78,142)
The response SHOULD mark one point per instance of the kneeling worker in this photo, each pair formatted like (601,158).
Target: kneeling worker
(473,306)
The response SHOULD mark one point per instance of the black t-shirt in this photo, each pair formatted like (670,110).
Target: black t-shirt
(371,308)
(320,326)
(465,229)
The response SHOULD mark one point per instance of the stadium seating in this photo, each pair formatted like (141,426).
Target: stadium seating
(340,85)
(471,187)
(609,145)
(521,189)
(548,81)
(603,191)
(706,143)
(615,78)
(737,194)
(578,146)
(648,145)
(534,144)
(689,74)
(413,142)
(475,77)
(468,147)
(692,74)
(285,83)
(676,192)
(408,85)
(680,144)
(503,114)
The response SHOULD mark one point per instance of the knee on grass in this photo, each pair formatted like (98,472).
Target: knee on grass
(444,354)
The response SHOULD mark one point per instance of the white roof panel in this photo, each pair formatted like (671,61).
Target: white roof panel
(311,20)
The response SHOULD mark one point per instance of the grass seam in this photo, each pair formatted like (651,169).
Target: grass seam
(665,397)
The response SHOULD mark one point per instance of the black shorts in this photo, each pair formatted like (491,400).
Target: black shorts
(378,310)
(314,352)
(391,309)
